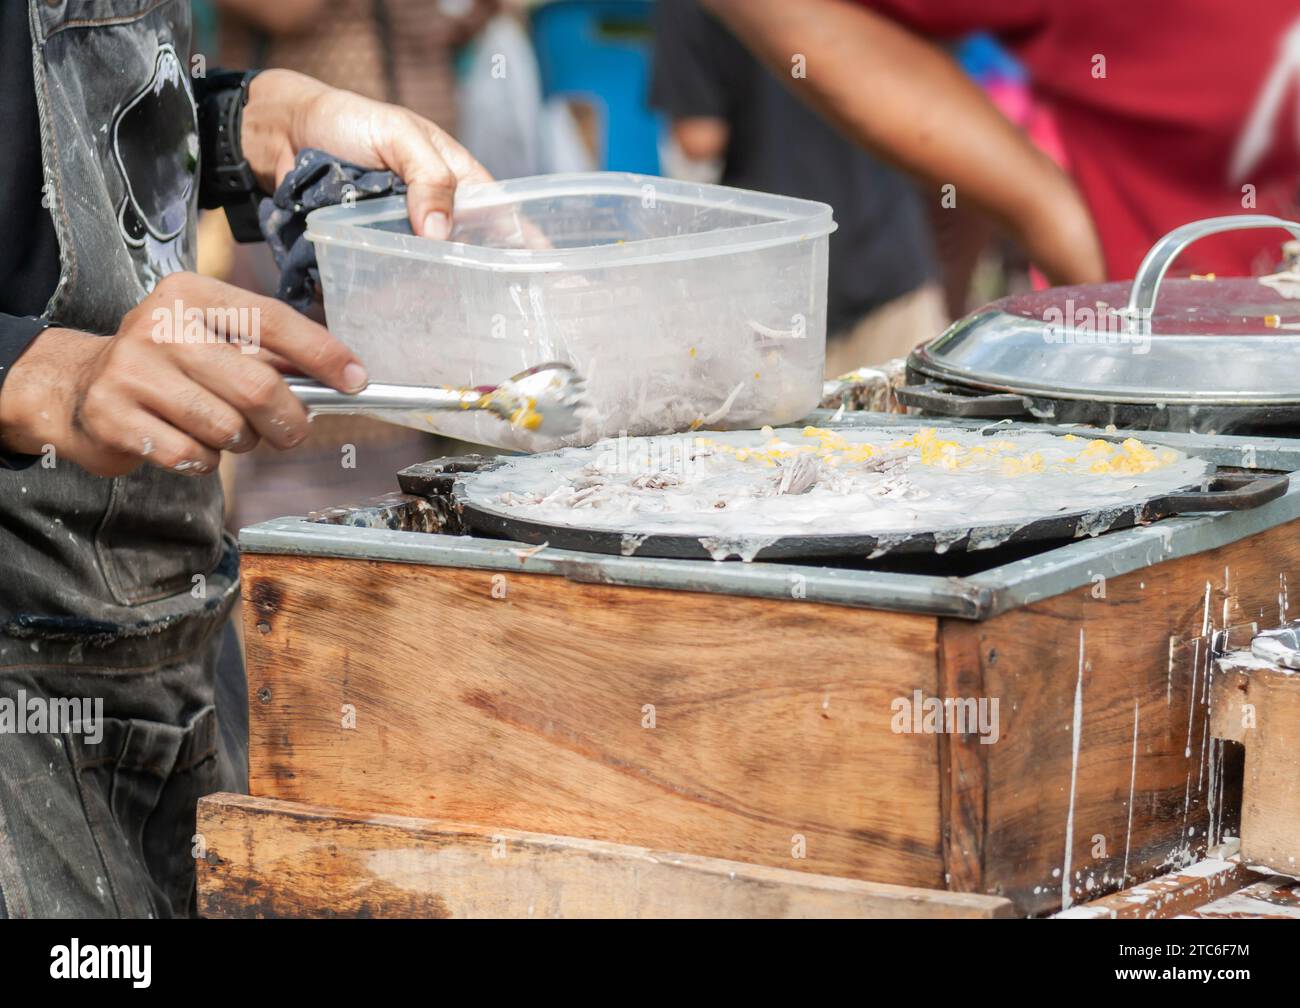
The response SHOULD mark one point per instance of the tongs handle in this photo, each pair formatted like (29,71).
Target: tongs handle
(320,398)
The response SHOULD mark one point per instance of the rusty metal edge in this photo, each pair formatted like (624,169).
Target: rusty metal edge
(938,596)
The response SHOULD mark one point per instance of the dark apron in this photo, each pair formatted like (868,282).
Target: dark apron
(114,590)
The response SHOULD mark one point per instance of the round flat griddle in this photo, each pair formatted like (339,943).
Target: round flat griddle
(476,492)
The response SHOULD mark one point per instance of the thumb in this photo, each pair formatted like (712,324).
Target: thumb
(432,165)
(430,182)
(430,190)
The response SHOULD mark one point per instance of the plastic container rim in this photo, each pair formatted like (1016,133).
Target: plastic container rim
(344,225)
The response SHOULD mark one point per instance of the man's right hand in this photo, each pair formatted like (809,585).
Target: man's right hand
(145,394)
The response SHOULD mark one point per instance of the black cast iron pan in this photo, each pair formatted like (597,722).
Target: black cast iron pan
(1221,491)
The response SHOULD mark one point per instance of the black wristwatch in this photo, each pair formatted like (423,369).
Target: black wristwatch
(225,178)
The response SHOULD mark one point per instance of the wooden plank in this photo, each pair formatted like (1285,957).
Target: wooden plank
(963,763)
(1169,895)
(1276,898)
(1144,788)
(527,701)
(1258,706)
(267,858)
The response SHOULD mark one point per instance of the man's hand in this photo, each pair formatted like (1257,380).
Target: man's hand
(288,112)
(193,371)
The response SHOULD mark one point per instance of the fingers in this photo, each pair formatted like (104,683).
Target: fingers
(374,134)
(430,188)
(253,389)
(432,164)
(194,370)
(254,322)
(220,384)
(163,445)
(273,359)
(463,164)
(204,416)
(119,440)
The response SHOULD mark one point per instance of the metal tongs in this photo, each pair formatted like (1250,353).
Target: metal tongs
(545,399)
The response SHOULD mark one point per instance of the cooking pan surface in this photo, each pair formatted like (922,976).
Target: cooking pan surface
(816,492)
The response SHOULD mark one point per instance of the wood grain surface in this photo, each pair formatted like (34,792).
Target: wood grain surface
(1133,655)
(1169,895)
(1275,898)
(267,858)
(1260,709)
(525,701)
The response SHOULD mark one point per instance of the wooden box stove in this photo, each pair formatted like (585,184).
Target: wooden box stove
(419,697)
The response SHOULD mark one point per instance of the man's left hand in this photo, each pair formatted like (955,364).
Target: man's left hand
(287,112)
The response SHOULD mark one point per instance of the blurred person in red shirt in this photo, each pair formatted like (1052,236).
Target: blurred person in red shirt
(1165,113)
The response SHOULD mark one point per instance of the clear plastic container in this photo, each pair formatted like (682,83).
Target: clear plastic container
(684,306)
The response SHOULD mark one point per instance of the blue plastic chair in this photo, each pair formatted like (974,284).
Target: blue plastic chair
(599,51)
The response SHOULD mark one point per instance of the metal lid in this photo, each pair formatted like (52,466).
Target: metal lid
(1152,340)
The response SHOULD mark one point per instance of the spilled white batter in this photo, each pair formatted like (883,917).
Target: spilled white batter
(739,490)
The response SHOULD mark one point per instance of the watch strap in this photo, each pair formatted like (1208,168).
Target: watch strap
(226,178)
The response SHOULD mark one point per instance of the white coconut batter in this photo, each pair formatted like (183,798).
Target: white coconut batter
(740,490)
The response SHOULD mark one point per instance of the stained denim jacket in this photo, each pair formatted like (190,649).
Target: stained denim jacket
(115,589)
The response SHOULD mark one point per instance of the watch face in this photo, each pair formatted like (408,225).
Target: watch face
(156,144)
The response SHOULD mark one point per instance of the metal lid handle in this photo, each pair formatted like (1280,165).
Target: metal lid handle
(1146,285)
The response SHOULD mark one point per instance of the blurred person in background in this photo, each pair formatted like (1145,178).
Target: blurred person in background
(1164,114)
(399,51)
(978,264)
(726,107)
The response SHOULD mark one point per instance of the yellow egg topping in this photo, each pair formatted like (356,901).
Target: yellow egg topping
(1002,455)
(526,416)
